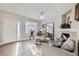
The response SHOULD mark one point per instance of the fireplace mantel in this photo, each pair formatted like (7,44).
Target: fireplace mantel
(72,32)
(67,30)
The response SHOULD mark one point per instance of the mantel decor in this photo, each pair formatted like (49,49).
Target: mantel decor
(77,12)
(65,25)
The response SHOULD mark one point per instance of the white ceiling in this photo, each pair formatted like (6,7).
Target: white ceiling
(33,10)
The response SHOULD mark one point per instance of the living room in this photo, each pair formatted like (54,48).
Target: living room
(48,21)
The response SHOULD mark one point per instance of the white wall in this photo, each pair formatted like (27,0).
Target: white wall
(22,29)
(74,24)
(0,30)
(9,31)
(9,26)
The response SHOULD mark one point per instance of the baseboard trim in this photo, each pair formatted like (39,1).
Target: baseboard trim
(20,40)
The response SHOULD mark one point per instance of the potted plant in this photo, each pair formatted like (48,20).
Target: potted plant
(65,25)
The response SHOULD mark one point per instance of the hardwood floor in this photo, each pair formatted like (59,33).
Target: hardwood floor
(28,48)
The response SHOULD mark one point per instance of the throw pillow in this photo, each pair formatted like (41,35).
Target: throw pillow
(68,45)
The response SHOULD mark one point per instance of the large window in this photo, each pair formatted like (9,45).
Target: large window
(30,26)
(49,28)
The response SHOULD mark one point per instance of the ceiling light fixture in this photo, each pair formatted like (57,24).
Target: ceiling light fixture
(42,15)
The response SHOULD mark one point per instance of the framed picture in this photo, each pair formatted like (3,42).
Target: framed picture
(77,12)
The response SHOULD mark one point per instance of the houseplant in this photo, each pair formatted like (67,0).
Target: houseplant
(65,25)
